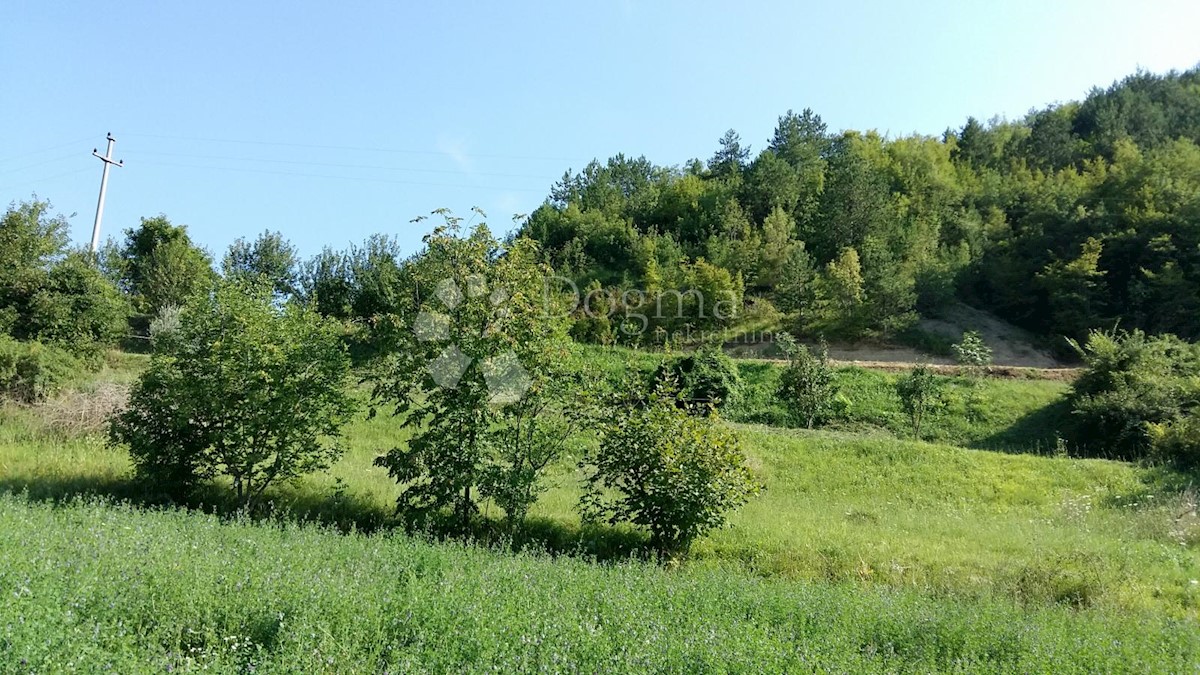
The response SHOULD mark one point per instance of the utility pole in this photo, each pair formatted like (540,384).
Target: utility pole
(108,161)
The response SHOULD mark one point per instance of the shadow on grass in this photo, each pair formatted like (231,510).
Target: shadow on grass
(1036,432)
(345,513)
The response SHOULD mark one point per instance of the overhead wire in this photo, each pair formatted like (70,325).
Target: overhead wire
(373,167)
(313,146)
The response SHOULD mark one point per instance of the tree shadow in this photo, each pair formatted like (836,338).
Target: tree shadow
(1036,432)
(344,512)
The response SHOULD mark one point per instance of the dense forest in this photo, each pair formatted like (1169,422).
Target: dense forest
(1082,215)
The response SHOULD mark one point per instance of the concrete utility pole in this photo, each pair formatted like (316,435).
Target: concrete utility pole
(108,161)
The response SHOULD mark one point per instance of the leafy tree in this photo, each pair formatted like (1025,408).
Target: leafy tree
(77,308)
(327,282)
(778,242)
(51,295)
(1074,290)
(270,256)
(245,389)
(466,347)
(672,473)
(838,297)
(534,433)
(161,265)
(921,393)
(807,386)
(31,241)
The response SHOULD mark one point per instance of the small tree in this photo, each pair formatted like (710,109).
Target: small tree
(972,351)
(161,266)
(467,346)
(920,393)
(806,385)
(244,389)
(672,473)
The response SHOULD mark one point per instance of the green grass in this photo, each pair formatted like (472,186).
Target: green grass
(1013,415)
(866,551)
(93,587)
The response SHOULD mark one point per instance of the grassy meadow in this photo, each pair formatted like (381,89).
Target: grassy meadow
(977,547)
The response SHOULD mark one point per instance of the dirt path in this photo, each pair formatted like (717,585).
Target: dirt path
(1013,352)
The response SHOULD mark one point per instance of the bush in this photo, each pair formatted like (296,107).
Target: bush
(1137,392)
(245,389)
(707,378)
(672,473)
(806,386)
(1176,442)
(165,325)
(921,393)
(31,371)
(972,351)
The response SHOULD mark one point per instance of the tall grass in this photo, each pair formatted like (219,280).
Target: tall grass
(93,587)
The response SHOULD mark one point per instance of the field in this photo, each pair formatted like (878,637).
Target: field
(978,547)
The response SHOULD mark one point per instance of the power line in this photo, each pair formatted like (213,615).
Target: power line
(42,163)
(354,148)
(38,152)
(42,180)
(350,178)
(372,167)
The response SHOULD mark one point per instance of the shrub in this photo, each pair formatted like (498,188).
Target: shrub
(246,389)
(31,371)
(676,475)
(920,392)
(1176,442)
(1135,391)
(806,386)
(165,325)
(707,378)
(972,351)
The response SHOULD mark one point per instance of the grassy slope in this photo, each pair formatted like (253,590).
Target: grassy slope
(1085,547)
(870,508)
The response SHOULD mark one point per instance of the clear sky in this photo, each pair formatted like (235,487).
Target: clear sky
(331,121)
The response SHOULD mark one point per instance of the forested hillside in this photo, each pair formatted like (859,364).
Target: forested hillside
(1079,216)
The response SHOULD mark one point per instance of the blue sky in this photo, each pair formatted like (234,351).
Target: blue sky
(330,123)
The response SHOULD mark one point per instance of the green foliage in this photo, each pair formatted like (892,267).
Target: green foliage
(838,304)
(1177,441)
(672,473)
(972,350)
(31,371)
(807,386)
(470,343)
(31,241)
(270,257)
(1136,388)
(243,389)
(51,295)
(77,308)
(161,266)
(707,378)
(921,393)
(1077,216)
